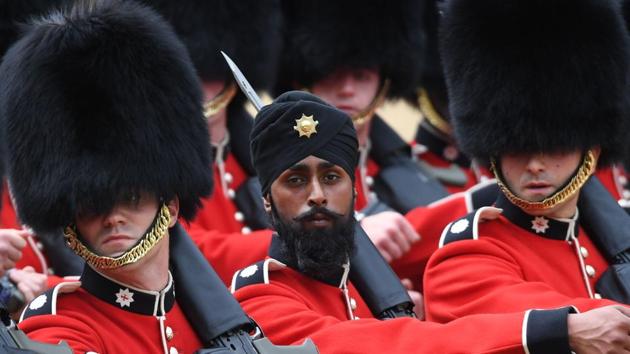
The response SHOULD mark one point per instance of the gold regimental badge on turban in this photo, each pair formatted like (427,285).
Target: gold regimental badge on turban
(306,126)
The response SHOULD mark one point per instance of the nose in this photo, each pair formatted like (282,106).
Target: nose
(536,164)
(114,218)
(317,196)
(347,86)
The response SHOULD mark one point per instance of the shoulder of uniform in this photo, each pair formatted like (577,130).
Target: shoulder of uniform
(466,228)
(257,273)
(482,194)
(46,303)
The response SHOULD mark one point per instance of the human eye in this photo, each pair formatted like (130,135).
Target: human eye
(131,199)
(331,177)
(295,180)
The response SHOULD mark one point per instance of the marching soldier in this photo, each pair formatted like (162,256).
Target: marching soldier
(435,146)
(545,103)
(111,151)
(437,151)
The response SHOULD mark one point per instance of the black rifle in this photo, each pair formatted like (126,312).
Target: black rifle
(218,319)
(609,225)
(377,283)
(14,341)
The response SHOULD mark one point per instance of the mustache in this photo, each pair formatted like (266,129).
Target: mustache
(318,210)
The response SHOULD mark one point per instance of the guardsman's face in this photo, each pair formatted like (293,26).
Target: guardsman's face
(309,185)
(114,233)
(535,177)
(350,90)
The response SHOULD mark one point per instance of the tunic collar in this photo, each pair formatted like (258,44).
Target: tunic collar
(557,229)
(126,297)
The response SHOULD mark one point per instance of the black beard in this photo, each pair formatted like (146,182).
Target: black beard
(318,253)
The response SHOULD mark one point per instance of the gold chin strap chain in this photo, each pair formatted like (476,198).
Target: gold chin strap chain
(577,181)
(148,241)
(220,101)
(428,111)
(364,116)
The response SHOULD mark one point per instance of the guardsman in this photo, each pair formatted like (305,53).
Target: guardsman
(111,151)
(231,222)
(436,150)
(435,146)
(538,89)
(305,151)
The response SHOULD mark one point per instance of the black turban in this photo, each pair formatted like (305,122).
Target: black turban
(277,143)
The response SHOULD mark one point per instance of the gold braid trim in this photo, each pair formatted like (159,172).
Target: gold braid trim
(148,241)
(428,111)
(577,181)
(365,115)
(219,102)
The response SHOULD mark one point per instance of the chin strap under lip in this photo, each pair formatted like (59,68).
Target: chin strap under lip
(153,236)
(586,169)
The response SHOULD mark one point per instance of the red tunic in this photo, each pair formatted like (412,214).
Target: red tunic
(228,252)
(511,263)
(291,307)
(8,216)
(120,319)
(220,233)
(429,222)
(218,212)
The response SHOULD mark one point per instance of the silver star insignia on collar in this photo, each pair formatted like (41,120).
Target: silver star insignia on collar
(540,224)
(124,298)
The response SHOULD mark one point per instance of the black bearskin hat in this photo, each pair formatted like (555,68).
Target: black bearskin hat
(248,31)
(324,35)
(14,13)
(528,76)
(432,72)
(101,101)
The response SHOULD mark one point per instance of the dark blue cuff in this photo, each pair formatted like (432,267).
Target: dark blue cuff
(547,331)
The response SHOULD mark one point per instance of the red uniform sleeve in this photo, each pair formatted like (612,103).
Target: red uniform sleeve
(229,252)
(53,280)
(479,276)
(428,222)
(53,329)
(286,319)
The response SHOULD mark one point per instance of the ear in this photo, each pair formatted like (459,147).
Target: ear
(173,209)
(267,203)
